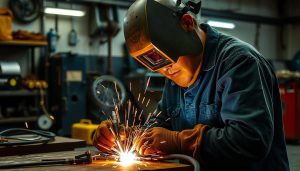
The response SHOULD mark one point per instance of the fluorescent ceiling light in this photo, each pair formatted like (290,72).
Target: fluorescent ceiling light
(221,24)
(59,11)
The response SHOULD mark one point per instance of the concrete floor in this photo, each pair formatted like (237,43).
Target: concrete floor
(294,156)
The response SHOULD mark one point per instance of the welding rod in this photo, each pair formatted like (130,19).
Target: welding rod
(115,123)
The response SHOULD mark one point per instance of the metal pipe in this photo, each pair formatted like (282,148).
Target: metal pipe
(120,3)
(240,17)
(154,157)
(206,12)
(189,159)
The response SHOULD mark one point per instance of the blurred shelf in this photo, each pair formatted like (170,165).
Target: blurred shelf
(7,93)
(18,119)
(27,43)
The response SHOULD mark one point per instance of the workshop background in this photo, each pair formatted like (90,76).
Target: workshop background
(50,64)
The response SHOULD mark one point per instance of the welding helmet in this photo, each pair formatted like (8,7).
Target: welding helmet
(154,35)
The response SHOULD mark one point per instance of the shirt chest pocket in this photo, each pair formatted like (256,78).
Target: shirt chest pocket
(209,114)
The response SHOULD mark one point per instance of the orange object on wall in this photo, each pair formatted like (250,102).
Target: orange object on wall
(6,24)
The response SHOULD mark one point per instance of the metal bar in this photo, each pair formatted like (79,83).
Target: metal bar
(293,20)
(241,17)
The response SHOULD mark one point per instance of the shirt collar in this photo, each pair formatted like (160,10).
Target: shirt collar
(193,86)
(212,37)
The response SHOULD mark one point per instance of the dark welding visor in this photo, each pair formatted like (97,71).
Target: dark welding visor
(154,34)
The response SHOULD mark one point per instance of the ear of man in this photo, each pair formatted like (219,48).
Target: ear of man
(188,22)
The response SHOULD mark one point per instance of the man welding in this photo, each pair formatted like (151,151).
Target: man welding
(221,95)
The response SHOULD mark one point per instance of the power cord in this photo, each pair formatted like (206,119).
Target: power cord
(20,136)
(187,158)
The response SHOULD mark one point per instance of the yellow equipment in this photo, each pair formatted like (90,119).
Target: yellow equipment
(84,130)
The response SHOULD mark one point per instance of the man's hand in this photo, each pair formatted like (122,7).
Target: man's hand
(158,140)
(104,139)
(162,141)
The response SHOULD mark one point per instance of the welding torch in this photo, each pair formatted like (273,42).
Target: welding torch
(85,158)
(115,124)
(115,129)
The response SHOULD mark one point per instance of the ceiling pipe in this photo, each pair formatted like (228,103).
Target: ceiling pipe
(293,20)
(250,18)
(206,12)
(120,3)
(240,17)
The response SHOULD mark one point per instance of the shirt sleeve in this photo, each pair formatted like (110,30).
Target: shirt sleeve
(245,88)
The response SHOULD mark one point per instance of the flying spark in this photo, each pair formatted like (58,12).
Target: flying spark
(148,81)
(125,134)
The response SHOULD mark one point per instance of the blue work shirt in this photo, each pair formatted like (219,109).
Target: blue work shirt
(236,94)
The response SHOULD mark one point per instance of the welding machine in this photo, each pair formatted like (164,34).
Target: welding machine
(84,130)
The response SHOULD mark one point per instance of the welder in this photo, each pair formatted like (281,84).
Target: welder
(221,102)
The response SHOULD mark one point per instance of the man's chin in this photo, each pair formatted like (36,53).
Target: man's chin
(180,83)
(183,82)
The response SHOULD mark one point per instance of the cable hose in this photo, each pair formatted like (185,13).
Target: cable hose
(9,133)
(187,158)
